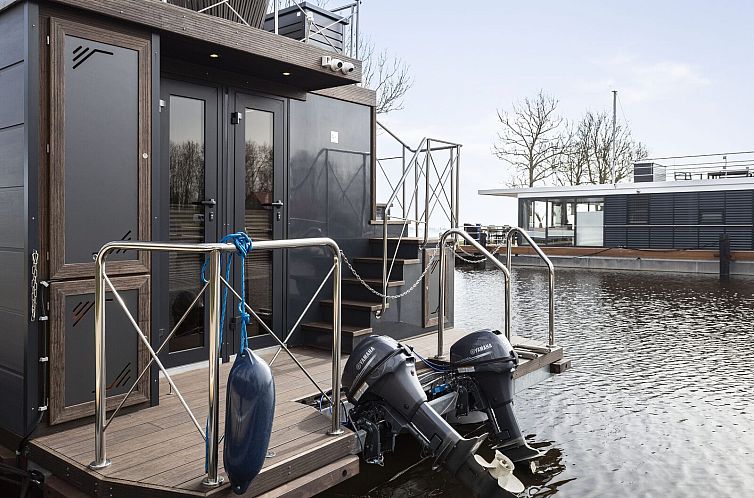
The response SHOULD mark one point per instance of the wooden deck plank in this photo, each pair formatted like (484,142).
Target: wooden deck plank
(159,449)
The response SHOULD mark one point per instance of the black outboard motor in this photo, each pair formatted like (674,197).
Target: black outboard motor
(484,362)
(380,380)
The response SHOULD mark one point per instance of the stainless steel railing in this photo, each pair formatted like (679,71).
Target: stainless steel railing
(550,269)
(214,284)
(482,250)
(427,179)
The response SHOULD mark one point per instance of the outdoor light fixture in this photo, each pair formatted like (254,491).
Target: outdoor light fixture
(337,65)
(286,73)
(214,56)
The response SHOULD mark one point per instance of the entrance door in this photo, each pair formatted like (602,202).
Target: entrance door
(260,207)
(189,133)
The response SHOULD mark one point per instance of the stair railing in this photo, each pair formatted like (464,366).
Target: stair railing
(550,269)
(483,251)
(426,179)
(214,285)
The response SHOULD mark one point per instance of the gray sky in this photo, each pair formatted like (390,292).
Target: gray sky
(683,71)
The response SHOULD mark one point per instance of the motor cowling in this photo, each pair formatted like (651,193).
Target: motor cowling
(380,377)
(488,359)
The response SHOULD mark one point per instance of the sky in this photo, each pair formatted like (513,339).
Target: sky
(683,71)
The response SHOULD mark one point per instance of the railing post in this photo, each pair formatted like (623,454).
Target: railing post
(508,289)
(336,340)
(416,194)
(213,418)
(100,380)
(441,309)
(458,179)
(427,159)
(277,21)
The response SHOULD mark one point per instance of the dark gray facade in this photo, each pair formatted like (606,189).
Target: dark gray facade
(19,365)
(680,220)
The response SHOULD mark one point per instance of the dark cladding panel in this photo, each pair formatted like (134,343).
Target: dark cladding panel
(738,207)
(661,237)
(685,237)
(12,36)
(685,209)
(329,187)
(661,209)
(12,95)
(12,156)
(615,237)
(12,220)
(637,237)
(101,147)
(615,209)
(709,237)
(740,238)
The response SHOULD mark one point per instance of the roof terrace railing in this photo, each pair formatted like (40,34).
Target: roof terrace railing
(214,284)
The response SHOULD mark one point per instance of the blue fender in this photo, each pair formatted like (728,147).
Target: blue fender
(250,408)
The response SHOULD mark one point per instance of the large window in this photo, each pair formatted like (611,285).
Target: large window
(562,220)
(536,219)
(589,219)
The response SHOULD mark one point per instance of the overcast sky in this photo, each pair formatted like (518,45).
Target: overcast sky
(683,69)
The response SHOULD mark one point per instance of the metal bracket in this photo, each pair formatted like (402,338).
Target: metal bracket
(236,118)
(44,359)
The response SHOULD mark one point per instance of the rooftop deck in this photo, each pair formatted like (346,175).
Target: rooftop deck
(157,451)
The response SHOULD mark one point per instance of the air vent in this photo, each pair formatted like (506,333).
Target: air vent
(250,12)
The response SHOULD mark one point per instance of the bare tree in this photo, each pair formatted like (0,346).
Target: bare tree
(588,157)
(531,140)
(386,74)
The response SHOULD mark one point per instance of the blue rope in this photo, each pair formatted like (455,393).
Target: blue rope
(244,246)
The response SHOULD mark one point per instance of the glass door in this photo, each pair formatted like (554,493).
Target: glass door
(260,207)
(189,156)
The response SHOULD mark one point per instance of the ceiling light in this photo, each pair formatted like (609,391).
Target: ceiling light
(214,56)
(286,73)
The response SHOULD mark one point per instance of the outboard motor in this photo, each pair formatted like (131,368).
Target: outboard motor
(381,382)
(484,362)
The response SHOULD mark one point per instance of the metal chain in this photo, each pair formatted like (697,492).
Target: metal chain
(393,296)
(494,251)
(34,286)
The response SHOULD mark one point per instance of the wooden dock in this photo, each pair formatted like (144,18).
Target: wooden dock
(158,452)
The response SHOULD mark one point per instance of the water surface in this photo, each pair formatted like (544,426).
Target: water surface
(658,402)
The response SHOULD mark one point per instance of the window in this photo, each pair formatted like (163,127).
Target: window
(589,222)
(638,210)
(711,217)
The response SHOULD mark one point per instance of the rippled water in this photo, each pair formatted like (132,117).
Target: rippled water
(658,402)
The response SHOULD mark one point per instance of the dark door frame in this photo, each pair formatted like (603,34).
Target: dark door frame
(239,101)
(212,96)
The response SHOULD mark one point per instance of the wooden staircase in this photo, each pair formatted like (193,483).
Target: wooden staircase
(359,305)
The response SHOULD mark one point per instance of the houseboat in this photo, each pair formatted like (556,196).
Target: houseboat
(663,219)
(145,121)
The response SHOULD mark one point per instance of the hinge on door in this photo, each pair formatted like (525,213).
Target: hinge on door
(162,104)
(48,39)
(235,118)
(48,148)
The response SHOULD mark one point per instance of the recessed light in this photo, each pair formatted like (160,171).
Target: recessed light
(286,73)
(214,56)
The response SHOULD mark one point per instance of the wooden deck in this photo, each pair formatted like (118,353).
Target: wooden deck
(157,451)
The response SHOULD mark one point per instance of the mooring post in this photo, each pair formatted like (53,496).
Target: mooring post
(724,257)
(213,401)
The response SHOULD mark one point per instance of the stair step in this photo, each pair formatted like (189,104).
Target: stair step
(326,327)
(377,259)
(360,305)
(374,282)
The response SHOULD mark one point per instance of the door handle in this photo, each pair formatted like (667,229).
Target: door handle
(206,202)
(276,204)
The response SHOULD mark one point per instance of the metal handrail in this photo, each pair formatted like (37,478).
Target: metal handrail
(550,269)
(215,283)
(431,194)
(482,250)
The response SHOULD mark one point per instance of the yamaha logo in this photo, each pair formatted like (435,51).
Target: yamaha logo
(364,358)
(480,349)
